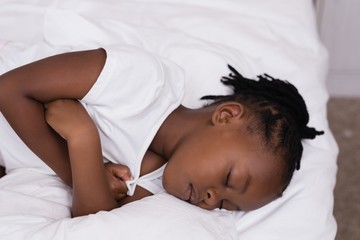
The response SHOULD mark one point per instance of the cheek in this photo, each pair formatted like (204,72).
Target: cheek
(263,193)
(258,201)
(167,178)
(188,164)
(179,165)
(172,177)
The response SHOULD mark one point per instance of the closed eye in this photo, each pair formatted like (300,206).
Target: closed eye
(221,204)
(227,179)
(226,184)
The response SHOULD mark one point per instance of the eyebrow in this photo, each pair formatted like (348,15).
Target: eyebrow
(247,184)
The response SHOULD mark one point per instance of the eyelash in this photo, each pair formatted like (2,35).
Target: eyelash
(221,204)
(227,179)
(226,184)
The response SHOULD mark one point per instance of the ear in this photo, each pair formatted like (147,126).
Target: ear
(227,112)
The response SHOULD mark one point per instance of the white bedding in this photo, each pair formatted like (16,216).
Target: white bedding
(278,37)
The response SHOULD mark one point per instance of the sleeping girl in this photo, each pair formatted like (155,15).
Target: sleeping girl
(109,122)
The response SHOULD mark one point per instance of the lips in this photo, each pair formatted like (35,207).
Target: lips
(192,195)
(191,190)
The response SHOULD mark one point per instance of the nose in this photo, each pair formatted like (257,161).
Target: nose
(212,198)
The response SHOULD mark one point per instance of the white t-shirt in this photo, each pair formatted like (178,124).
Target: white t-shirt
(133,95)
(131,98)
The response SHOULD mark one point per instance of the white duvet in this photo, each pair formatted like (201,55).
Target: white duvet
(278,37)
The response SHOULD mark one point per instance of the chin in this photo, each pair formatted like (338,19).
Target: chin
(167,186)
(170,189)
(173,184)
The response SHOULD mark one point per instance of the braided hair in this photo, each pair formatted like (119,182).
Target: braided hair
(280,116)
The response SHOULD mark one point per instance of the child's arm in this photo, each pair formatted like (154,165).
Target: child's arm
(91,192)
(90,178)
(24,90)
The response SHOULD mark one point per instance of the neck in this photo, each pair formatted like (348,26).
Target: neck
(178,125)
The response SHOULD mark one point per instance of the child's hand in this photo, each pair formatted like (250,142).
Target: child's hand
(68,118)
(116,175)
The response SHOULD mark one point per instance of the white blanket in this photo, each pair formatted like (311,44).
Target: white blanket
(278,37)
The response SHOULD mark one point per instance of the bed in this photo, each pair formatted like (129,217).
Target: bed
(278,37)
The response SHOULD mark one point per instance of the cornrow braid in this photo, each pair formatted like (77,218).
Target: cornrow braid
(280,116)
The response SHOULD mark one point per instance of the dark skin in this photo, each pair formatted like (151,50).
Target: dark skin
(205,166)
(213,161)
(25,91)
(33,85)
(71,121)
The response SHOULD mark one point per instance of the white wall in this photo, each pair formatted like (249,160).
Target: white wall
(339,22)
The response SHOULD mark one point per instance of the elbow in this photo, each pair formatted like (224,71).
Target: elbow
(83,209)
(80,211)
(76,213)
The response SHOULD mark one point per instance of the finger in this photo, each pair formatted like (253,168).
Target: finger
(121,171)
(120,197)
(118,189)
(116,184)
(122,188)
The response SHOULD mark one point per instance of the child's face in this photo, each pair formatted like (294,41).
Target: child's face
(223,168)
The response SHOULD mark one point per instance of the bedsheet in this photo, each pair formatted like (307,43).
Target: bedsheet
(278,37)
